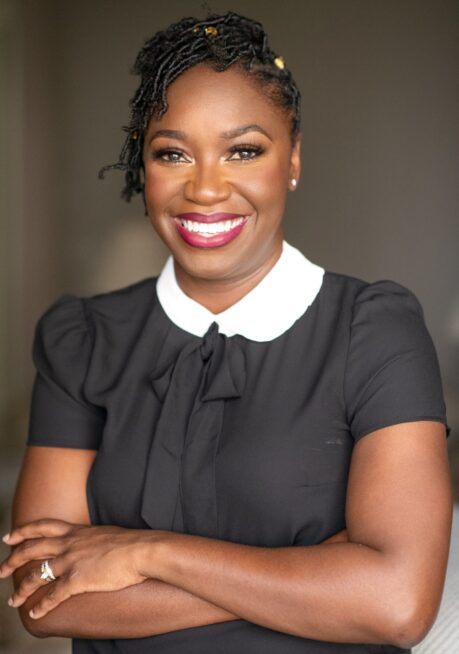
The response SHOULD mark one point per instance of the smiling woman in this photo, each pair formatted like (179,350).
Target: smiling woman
(240,165)
(248,452)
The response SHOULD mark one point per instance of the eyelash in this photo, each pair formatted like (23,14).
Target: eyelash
(256,151)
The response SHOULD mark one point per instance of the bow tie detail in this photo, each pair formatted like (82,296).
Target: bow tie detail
(179,492)
(225,366)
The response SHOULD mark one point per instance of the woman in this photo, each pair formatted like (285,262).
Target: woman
(197,477)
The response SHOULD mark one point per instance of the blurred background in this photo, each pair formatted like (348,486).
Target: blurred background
(378,196)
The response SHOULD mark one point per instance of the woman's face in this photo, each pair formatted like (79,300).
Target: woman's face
(221,148)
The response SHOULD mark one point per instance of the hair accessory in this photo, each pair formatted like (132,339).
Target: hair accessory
(46,572)
(279,62)
(135,135)
(209,30)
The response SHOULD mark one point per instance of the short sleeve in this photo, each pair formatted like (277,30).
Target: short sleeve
(60,414)
(392,373)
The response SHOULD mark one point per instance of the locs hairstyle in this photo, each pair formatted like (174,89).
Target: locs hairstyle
(220,41)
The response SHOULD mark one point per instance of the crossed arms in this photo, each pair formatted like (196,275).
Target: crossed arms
(380,582)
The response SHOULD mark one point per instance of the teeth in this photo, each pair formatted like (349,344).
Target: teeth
(209,229)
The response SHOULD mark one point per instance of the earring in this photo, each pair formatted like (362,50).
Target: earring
(293,182)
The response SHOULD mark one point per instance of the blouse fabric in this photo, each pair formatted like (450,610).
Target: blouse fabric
(237,426)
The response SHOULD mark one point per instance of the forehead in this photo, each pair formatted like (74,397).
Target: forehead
(204,98)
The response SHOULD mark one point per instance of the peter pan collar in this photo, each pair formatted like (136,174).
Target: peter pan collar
(266,312)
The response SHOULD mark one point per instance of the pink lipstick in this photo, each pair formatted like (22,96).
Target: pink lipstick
(209,230)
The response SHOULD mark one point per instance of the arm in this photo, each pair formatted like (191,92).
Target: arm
(384,586)
(52,483)
(139,610)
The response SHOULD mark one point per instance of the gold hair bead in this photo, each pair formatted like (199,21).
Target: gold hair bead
(135,135)
(210,31)
(279,62)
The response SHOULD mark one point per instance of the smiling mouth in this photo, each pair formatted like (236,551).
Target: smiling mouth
(210,234)
(211,229)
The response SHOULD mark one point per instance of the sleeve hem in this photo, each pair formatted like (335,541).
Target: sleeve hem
(48,442)
(397,421)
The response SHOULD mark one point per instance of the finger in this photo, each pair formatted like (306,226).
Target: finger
(30,550)
(59,591)
(38,528)
(33,580)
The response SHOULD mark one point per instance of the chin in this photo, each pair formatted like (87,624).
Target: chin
(210,265)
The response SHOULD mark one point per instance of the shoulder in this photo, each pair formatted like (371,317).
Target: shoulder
(380,299)
(71,312)
(126,303)
(66,329)
(392,372)
(383,317)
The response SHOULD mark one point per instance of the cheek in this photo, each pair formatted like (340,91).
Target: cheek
(159,192)
(156,185)
(156,193)
(268,187)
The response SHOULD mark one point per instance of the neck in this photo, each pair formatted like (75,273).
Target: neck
(217,295)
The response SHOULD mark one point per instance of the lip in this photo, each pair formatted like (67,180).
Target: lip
(209,217)
(217,240)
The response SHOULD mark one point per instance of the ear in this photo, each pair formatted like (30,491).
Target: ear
(295,163)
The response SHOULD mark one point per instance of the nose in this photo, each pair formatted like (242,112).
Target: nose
(206,184)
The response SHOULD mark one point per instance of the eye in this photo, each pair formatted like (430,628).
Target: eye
(246,152)
(167,155)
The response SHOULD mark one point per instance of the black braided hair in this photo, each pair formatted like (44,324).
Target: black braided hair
(219,40)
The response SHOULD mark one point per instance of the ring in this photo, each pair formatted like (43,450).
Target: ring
(46,572)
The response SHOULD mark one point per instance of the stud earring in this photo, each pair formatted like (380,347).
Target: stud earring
(293,182)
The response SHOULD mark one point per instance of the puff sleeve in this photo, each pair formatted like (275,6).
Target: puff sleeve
(60,414)
(392,373)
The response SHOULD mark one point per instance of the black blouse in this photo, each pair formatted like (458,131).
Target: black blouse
(227,437)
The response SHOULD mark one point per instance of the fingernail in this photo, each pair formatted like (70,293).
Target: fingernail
(6,537)
(31,613)
(11,601)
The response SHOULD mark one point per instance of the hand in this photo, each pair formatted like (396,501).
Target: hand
(83,559)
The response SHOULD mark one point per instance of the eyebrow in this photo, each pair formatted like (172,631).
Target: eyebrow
(229,134)
(238,131)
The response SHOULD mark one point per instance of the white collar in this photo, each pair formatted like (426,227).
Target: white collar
(266,312)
